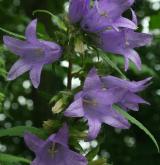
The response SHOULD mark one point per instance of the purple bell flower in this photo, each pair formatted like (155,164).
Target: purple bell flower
(123,42)
(107,14)
(77,9)
(55,150)
(94,103)
(33,53)
(130,100)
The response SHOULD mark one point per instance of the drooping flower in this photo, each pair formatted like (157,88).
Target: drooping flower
(78,8)
(123,42)
(130,100)
(107,14)
(94,103)
(53,151)
(34,54)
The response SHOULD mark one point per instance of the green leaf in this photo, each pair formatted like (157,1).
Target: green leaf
(20,130)
(92,153)
(10,159)
(55,18)
(99,162)
(138,124)
(11,33)
(113,65)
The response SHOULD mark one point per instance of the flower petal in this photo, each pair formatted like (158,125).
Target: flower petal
(61,136)
(92,81)
(35,74)
(18,69)
(33,142)
(135,39)
(75,109)
(115,119)
(134,57)
(94,128)
(124,22)
(30,32)
(133,86)
(18,47)
(133,98)
(77,9)
(52,51)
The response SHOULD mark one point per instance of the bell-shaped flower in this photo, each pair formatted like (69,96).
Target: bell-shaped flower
(94,103)
(33,53)
(77,9)
(55,150)
(107,14)
(130,100)
(123,42)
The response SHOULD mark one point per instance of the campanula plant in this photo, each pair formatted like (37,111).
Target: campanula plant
(88,30)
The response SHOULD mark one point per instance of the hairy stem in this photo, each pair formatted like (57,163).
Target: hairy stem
(69,83)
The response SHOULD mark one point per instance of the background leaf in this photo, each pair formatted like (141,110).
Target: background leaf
(138,124)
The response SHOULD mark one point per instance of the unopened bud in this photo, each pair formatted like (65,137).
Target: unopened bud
(58,107)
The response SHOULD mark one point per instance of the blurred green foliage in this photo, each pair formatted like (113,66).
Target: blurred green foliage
(23,105)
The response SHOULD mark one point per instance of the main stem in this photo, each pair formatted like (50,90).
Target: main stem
(69,84)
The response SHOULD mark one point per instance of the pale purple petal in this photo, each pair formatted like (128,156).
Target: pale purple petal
(114,119)
(52,51)
(94,128)
(77,9)
(133,98)
(132,55)
(133,86)
(134,17)
(125,23)
(62,136)
(30,32)
(92,81)
(105,96)
(18,69)
(78,95)
(75,109)
(35,74)
(135,39)
(20,48)
(33,142)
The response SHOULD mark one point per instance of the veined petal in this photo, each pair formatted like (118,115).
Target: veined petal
(124,22)
(92,81)
(52,51)
(133,86)
(115,119)
(77,9)
(134,57)
(94,128)
(21,48)
(135,39)
(134,17)
(30,32)
(113,8)
(75,109)
(133,98)
(33,142)
(35,74)
(18,69)
(61,136)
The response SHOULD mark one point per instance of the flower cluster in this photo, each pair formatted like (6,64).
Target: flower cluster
(115,34)
(95,103)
